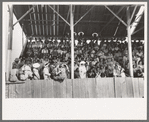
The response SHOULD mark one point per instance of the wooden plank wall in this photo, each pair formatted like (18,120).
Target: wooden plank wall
(78,88)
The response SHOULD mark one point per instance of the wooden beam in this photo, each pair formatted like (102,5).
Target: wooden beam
(67,20)
(46,21)
(137,31)
(111,19)
(117,28)
(137,19)
(129,42)
(86,37)
(57,21)
(24,15)
(59,15)
(116,16)
(31,23)
(84,15)
(72,41)
(35,22)
(50,21)
(10,33)
(39,19)
(133,13)
(10,40)
(22,36)
(42,20)
(54,21)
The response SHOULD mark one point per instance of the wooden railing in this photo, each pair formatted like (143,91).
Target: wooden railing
(78,88)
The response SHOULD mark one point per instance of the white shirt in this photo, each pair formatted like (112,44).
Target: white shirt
(82,71)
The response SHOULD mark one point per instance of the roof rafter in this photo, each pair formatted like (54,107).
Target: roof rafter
(39,19)
(35,22)
(46,19)
(42,20)
(31,22)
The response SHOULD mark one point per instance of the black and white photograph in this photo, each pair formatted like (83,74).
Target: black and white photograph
(74,50)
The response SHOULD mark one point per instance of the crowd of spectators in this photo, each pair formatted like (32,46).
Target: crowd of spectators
(109,58)
(43,60)
(51,59)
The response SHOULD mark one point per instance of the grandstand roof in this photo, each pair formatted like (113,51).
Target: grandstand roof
(42,21)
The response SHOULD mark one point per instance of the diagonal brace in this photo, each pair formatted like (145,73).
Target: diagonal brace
(133,13)
(65,23)
(137,31)
(116,16)
(59,15)
(84,15)
(112,19)
(24,15)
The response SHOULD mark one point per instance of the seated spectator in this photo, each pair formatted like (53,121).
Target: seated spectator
(116,71)
(35,70)
(26,72)
(14,71)
(46,74)
(82,70)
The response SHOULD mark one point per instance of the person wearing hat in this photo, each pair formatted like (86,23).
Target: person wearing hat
(44,51)
(91,72)
(117,71)
(82,69)
(35,70)
(46,72)
(98,72)
(33,45)
(36,51)
(64,71)
(26,72)
(14,71)
(29,52)
(55,74)
(15,63)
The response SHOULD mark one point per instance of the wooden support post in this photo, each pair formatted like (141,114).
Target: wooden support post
(10,33)
(72,42)
(39,21)
(129,42)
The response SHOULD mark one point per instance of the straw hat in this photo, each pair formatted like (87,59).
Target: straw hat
(36,65)
(16,59)
(82,62)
